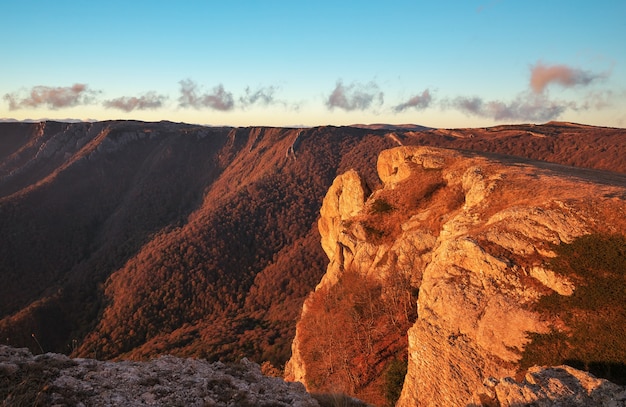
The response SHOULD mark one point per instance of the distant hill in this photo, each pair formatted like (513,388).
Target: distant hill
(392,127)
(127,239)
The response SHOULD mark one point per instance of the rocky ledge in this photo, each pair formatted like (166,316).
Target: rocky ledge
(476,237)
(553,386)
(56,380)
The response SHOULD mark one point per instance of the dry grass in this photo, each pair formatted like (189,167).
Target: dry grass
(337,400)
(390,208)
(30,384)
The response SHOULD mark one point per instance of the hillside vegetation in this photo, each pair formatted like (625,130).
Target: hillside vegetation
(595,313)
(130,239)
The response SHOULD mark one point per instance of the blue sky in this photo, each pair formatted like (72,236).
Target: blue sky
(286,63)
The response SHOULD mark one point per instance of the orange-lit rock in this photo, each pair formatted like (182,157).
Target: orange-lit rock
(478,241)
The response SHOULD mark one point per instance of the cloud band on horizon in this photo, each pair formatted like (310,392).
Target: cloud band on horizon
(533,104)
(355,96)
(218,100)
(53,97)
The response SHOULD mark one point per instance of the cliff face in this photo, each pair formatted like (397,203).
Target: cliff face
(475,235)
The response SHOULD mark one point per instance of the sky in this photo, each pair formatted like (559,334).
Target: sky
(306,63)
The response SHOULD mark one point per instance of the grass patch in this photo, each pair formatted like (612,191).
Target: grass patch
(381,206)
(373,233)
(30,384)
(595,314)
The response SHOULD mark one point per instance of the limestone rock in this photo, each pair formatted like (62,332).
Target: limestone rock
(344,199)
(560,386)
(551,280)
(397,164)
(479,264)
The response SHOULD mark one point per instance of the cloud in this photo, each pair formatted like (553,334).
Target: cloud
(355,96)
(469,105)
(264,96)
(150,100)
(52,97)
(525,107)
(190,97)
(601,99)
(419,102)
(543,75)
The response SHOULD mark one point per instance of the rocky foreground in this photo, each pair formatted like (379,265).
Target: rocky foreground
(53,379)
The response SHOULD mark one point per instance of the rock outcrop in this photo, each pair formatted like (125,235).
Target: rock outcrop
(54,379)
(474,233)
(554,386)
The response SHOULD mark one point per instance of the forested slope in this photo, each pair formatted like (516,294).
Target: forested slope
(130,239)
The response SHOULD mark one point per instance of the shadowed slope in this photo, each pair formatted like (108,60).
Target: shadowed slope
(190,217)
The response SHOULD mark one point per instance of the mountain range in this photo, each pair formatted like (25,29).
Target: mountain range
(127,240)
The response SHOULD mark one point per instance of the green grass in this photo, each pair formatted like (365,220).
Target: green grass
(394,380)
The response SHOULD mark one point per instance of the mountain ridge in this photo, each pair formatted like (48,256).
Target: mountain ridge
(221,222)
(160,183)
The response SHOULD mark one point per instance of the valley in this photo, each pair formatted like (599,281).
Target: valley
(129,240)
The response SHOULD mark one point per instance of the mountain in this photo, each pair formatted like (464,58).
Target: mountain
(127,239)
(392,127)
(462,270)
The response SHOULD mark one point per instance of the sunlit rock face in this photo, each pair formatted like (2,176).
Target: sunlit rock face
(475,234)
(344,199)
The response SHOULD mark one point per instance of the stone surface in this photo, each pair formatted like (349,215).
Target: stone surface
(554,386)
(53,379)
(344,199)
(479,265)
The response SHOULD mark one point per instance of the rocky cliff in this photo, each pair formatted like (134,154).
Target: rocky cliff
(476,236)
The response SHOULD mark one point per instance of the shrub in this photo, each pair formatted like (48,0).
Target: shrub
(337,400)
(394,380)
(381,206)
(351,332)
